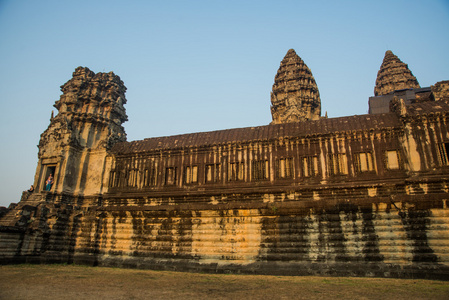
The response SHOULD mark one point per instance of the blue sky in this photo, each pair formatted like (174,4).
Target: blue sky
(193,66)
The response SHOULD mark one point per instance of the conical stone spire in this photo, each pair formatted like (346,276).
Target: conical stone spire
(295,96)
(394,75)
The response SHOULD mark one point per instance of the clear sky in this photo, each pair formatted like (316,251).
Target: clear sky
(193,66)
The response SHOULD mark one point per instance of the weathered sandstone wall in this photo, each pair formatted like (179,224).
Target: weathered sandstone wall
(290,233)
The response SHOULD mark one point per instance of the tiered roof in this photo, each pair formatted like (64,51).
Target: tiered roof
(261,133)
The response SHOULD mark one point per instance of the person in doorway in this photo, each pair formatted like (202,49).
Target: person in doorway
(49,183)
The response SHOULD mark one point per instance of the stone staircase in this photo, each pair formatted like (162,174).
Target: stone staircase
(21,213)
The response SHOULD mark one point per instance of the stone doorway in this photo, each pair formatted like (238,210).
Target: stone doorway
(49,169)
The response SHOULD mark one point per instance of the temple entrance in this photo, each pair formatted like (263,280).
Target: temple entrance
(49,170)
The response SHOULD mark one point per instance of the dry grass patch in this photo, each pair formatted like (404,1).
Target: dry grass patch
(79,282)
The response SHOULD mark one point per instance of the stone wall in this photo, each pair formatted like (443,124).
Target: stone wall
(277,233)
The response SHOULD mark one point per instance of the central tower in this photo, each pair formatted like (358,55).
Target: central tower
(295,96)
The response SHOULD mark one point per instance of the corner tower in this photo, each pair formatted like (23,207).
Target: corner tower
(394,75)
(89,122)
(295,96)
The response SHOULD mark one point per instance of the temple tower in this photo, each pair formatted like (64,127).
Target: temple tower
(89,122)
(394,75)
(295,96)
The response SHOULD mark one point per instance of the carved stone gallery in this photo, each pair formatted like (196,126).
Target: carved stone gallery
(363,195)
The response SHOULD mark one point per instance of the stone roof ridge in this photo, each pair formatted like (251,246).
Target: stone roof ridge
(393,75)
(260,133)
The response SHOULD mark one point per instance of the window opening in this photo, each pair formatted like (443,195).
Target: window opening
(49,170)
(113,179)
(337,164)
(285,167)
(364,162)
(393,160)
(170,176)
(213,173)
(132,177)
(190,174)
(443,151)
(235,171)
(310,166)
(260,170)
(149,176)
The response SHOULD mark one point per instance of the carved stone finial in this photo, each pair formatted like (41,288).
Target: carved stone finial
(394,75)
(295,96)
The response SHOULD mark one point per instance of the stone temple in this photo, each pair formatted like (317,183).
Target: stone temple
(363,195)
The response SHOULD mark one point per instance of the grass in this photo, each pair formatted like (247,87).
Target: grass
(80,282)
